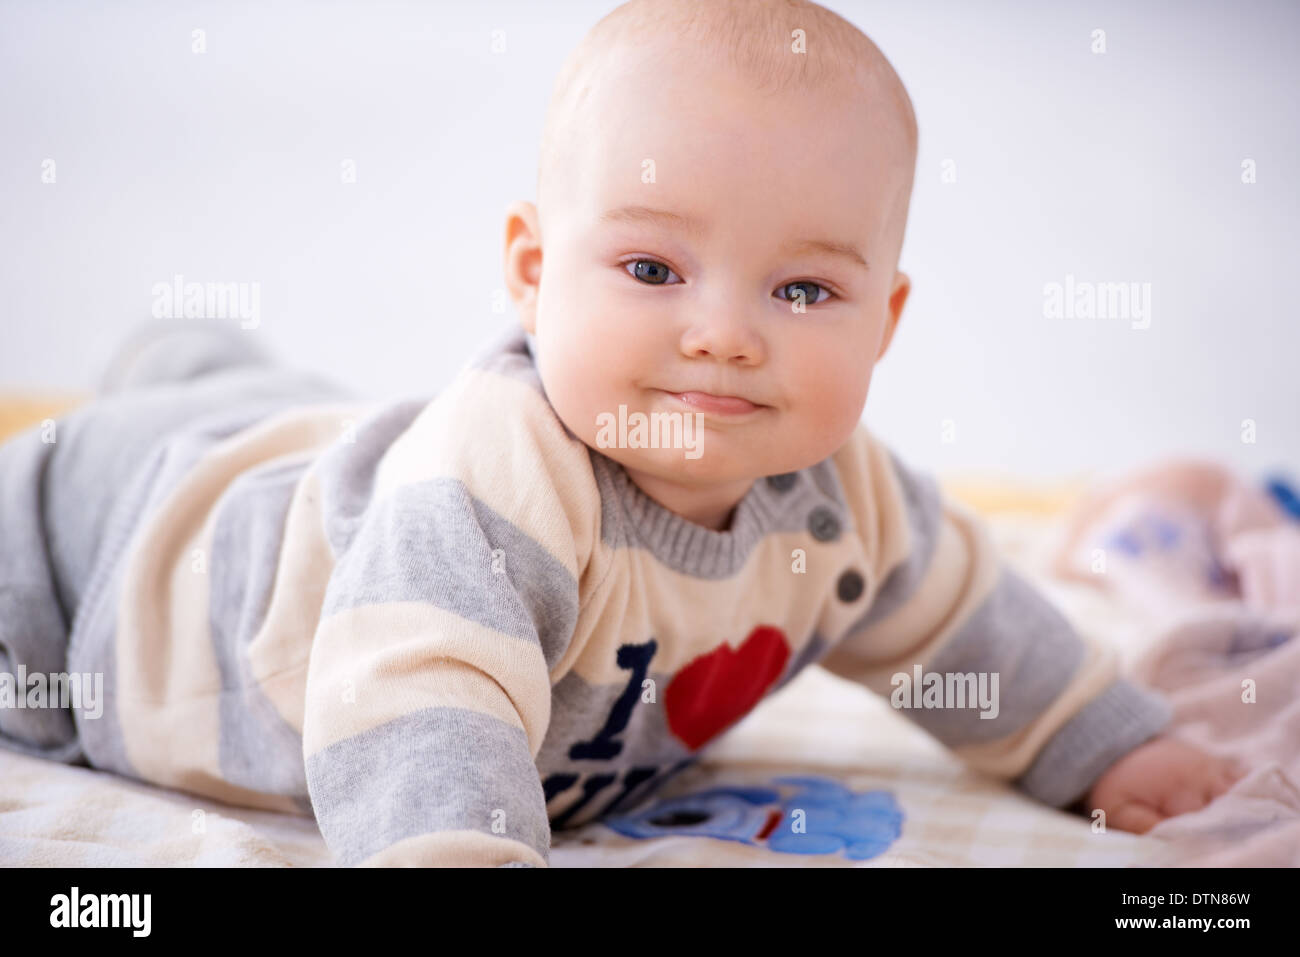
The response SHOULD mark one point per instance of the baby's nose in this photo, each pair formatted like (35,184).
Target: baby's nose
(727,337)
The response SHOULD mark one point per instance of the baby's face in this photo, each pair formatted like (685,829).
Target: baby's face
(697,217)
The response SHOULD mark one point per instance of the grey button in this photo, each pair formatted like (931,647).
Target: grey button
(823,524)
(849,587)
(783,483)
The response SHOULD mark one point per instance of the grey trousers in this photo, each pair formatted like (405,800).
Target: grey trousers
(70,490)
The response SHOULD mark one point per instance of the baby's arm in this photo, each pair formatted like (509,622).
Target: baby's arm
(428,690)
(1061,714)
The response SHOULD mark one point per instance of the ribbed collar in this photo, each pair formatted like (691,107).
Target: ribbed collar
(678,542)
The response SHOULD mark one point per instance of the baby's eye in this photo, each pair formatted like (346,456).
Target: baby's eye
(650,271)
(810,295)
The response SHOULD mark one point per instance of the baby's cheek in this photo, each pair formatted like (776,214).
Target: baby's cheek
(836,402)
(563,386)
(586,390)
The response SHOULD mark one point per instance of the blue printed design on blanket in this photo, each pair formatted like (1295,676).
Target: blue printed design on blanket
(1152,533)
(821,816)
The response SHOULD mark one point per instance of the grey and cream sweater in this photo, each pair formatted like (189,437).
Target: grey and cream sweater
(446,626)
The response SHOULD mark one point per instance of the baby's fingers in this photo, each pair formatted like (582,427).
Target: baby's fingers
(1183,801)
(1134,817)
(1224,779)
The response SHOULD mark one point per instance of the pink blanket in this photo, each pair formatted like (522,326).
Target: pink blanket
(1212,565)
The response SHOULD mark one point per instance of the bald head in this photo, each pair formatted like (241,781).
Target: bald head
(772,46)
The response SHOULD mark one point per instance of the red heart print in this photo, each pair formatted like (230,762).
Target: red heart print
(715,690)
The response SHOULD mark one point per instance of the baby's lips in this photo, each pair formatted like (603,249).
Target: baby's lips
(720,404)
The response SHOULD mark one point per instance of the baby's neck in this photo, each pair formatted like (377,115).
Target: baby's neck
(711,507)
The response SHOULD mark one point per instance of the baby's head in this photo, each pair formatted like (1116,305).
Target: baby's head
(722,195)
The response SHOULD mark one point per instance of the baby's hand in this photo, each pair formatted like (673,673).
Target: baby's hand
(1162,778)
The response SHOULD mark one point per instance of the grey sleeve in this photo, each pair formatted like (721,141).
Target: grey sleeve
(429,688)
(1003,664)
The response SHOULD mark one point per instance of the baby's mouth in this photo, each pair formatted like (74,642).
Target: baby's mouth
(722,405)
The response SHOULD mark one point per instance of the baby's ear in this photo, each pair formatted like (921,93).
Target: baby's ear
(523,260)
(897,300)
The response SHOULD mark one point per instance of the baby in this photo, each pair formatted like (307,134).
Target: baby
(445,626)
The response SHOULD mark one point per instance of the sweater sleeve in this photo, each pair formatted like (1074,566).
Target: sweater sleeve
(428,689)
(1005,681)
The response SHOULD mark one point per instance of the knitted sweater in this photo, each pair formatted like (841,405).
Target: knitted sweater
(446,626)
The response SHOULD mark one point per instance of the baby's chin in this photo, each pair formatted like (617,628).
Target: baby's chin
(715,460)
(706,452)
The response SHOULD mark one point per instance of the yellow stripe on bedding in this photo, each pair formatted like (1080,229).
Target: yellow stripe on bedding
(993,496)
(19,411)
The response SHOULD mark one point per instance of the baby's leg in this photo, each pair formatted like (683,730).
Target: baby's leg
(33,626)
(60,480)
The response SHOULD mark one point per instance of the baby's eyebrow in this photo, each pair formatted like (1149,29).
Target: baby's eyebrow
(842,250)
(654,217)
(648,215)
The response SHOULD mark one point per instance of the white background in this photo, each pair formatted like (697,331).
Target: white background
(1118,167)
